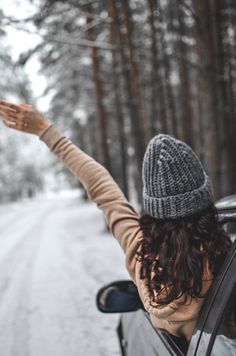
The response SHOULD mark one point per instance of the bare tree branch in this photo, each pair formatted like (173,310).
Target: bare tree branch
(67,40)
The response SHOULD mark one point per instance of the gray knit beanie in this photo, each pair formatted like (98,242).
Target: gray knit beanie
(174,181)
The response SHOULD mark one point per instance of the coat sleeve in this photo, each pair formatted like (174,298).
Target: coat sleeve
(122,219)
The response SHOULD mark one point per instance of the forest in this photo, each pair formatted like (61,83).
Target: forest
(119,72)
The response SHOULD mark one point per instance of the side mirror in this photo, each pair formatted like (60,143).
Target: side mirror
(118,297)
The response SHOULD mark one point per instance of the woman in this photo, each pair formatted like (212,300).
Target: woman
(173,251)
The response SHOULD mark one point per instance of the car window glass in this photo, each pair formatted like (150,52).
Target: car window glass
(230,228)
(225,341)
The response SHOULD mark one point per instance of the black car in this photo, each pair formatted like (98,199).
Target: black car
(215,333)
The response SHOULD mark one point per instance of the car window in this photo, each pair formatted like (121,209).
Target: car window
(230,228)
(225,340)
(138,337)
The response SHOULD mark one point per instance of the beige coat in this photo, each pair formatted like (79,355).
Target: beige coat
(178,317)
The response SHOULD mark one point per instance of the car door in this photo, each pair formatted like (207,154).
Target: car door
(216,329)
(139,338)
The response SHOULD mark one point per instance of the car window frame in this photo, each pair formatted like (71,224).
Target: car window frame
(221,289)
(166,339)
(220,315)
(141,314)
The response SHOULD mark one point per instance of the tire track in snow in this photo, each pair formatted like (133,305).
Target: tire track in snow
(16,213)
(15,282)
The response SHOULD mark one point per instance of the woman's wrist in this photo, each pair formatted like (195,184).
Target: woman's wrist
(44,127)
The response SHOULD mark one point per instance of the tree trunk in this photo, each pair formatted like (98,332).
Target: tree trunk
(114,36)
(185,87)
(158,99)
(208,91)
(99,92)
(132,83)
(172,117)
(138,115)
(228,126)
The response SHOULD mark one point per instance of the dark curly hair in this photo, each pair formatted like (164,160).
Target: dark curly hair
(173,253)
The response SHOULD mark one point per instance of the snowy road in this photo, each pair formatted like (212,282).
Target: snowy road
(54,256)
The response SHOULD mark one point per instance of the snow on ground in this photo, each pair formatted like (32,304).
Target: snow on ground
(55,254)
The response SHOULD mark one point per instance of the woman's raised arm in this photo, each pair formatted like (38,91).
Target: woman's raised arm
(120,215)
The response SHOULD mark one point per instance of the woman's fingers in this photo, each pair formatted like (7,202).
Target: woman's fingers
(10,117)
(16,124)
(5,103)
(11,120)
(13,125)
(7,112)
(24,126)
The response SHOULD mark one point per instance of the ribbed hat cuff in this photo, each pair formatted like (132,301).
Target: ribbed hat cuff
(181,205)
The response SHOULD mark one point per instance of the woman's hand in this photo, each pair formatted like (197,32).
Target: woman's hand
(23,118)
